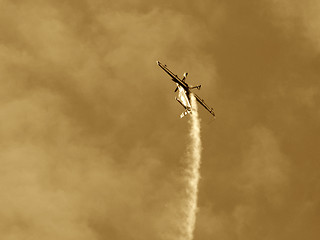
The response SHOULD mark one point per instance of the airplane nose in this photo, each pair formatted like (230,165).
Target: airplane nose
(158,62)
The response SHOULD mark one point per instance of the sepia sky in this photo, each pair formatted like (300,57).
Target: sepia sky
(91,144)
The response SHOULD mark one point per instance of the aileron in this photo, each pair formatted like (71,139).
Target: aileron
(201,101)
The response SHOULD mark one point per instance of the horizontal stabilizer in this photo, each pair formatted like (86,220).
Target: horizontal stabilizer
(185,113)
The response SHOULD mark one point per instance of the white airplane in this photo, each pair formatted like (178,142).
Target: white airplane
(184,92)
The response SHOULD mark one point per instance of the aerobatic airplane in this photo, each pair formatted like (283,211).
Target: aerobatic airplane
(184,92)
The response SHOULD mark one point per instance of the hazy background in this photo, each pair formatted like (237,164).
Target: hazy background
(92,146)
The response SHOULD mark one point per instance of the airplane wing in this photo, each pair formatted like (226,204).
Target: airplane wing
(175,78)
(201,101)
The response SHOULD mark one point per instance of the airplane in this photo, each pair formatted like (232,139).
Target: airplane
(184,92)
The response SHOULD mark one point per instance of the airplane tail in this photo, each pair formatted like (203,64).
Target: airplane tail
(185,113)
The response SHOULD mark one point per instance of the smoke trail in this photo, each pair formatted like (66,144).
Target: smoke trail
(192,173)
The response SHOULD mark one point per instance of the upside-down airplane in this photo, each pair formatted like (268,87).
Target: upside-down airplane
(184,92)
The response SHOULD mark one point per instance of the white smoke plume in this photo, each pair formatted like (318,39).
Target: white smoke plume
(192,173)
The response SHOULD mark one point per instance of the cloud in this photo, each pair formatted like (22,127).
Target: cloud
(91,144)
(73,166)
(304,16)
(265,167)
